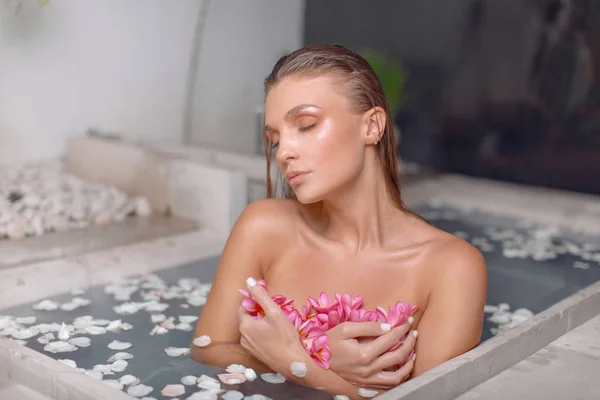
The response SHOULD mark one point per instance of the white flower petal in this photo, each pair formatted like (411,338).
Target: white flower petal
(173,390)
(272,378)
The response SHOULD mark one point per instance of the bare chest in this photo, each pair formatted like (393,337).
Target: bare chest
(382,279)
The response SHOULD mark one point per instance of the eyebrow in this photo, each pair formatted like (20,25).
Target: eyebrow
(292,113)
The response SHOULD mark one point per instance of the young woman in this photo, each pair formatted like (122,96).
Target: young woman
(342,228)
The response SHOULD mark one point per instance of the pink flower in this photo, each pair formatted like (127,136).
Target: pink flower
(320,352)
(362,315)
(397,314)
(330,319)
(255,310)
(346,304)
(294,317)
(324,304)
(308,331)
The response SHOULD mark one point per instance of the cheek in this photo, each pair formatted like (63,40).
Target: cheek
(340,152)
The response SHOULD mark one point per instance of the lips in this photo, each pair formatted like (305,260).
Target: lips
(294,178)
(292,174)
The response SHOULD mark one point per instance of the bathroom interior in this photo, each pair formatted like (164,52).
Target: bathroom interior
(122,173)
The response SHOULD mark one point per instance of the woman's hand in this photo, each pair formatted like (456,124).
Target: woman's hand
(268,337)
(359,353)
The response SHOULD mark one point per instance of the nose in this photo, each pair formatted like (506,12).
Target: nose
(287,148)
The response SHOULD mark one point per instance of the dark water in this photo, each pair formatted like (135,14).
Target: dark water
(527,283)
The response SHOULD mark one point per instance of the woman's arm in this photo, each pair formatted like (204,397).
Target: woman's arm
(275,340)
(453,320)
(246,252)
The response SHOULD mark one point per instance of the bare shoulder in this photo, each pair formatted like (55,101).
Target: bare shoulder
(452,259)
(267,219)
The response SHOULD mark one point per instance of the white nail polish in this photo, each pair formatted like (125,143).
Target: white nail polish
(251,282)
(414,356)
(386,327)
(415,334)
(411,320)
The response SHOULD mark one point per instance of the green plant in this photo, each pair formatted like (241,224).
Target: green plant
(392,76)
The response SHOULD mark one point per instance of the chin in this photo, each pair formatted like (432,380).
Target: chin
(306,196)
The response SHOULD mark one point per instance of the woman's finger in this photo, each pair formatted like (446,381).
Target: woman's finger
(395,357)
(383,343)
(390,379)
(260,295)
(354,330)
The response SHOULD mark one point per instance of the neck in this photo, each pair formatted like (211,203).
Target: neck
(363,215)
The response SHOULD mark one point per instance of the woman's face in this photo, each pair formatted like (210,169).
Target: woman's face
(319,142)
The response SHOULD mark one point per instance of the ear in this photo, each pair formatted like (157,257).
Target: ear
(375,121)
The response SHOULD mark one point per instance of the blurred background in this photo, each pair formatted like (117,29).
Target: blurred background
(490,88)
(131,140)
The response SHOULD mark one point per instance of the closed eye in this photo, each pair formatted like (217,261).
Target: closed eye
(307,128)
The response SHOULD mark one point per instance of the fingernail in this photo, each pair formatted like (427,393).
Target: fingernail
(251,282)
(386,327)
(414,356)
(415,334)
(411,320)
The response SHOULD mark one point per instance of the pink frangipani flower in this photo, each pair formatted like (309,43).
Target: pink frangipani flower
(397,314)
(362,315)
(346,304)
(320,352)
(324,304)
(321,314)
(255,310)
